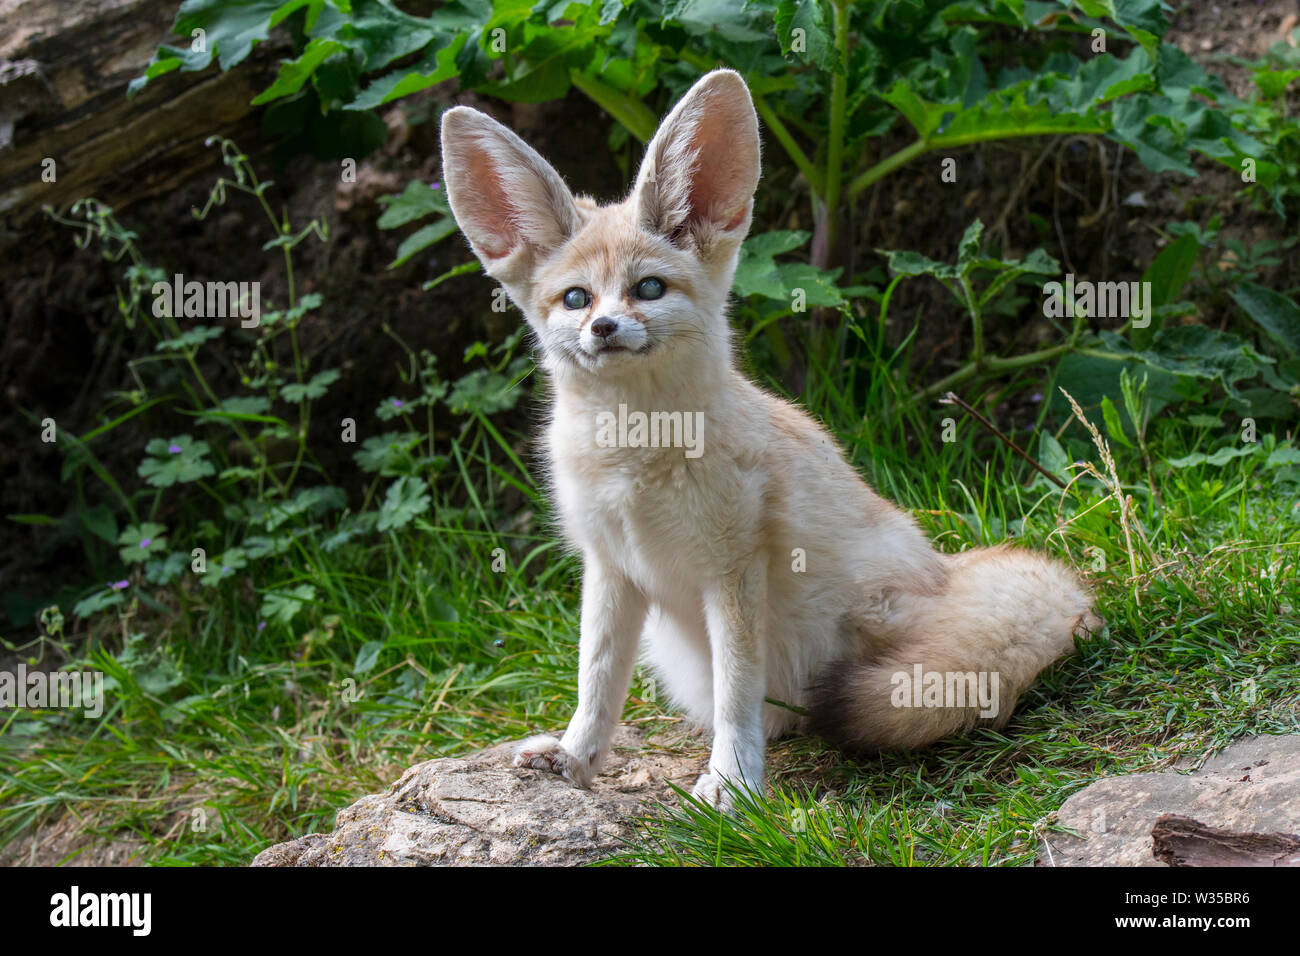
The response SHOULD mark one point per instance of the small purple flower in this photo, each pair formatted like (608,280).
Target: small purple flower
(174,448)
(1036,397)
(119,585)
(225,569)
(146,542)
(435,185)
(397,403)
(261,625)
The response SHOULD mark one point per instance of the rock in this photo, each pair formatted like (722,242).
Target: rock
(480,810)
(1251,787)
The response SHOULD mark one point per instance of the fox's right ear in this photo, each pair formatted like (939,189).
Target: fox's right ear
(507,200)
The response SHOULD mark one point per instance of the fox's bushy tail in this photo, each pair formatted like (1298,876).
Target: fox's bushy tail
(972,650)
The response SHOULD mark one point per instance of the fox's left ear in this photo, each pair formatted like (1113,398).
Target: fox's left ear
(701,169)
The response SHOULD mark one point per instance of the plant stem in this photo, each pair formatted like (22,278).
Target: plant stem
(908,153)
(835,143)
(952,399)
(976,322)
(792,149)
(886,166)
(998,364)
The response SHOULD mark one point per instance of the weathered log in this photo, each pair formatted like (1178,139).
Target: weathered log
(64,70)
(1182,841)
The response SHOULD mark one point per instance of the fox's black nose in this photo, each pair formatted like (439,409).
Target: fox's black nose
(603,328)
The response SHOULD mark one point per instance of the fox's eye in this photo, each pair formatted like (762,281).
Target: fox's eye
(576,299)
(651,288)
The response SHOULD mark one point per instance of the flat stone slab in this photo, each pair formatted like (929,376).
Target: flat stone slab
(1252,786)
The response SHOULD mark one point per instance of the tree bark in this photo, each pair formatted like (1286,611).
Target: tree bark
(64,70)
(1182,841)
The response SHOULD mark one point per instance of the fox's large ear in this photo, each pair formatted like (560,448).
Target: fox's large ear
(507,200)
(701,169)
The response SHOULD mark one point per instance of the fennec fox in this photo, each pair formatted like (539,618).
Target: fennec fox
(754,562)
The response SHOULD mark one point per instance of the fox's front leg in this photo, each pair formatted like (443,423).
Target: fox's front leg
(613,613)
(736,615)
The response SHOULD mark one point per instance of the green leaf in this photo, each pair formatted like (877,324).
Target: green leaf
(814,43)
(483,391)
(1052,456)
(438,66)
(1273,312)
(164,572)
(224,566)
(98,601)
(312,390)
(189,340)
(923,116)
(416,201)
(240,408)
(294,73)
(730,20)
(1113,425)
(1200,352)
(422,239)
(283,606)
(1170,270)
(141,541)
(407,498)
(386,454)
(1272,83)
(1217,459)
(1283,455)
(367,657)
(100,522)
(35,519)
(174,461)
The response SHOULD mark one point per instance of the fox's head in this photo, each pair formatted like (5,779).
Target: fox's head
(619,290)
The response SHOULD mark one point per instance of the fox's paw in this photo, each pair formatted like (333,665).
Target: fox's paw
(709,789)
(545,753)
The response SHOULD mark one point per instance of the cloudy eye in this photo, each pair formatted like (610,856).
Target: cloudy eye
(576,299)
(651,288)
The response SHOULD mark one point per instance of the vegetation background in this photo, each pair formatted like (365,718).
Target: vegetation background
(379,580)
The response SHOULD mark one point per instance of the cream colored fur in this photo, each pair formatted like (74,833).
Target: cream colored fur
(693,559)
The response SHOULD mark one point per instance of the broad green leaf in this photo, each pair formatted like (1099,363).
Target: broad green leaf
(1273,312)
(803,29)
(422,239)
(416,201)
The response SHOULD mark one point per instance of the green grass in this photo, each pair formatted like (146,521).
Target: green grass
(219,738)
